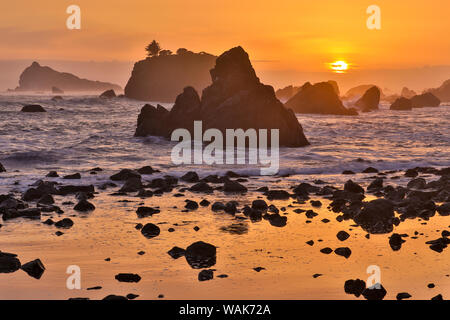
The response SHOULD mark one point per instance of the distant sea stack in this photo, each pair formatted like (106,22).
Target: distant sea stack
(235,99)
(358,91)
(288,92)
(407,93)
(370,100)
(320,98)
(401,103)
(443,92)
(162,77)
(425,100)
(39,78)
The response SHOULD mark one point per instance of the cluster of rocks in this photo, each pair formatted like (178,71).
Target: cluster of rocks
(423,100)
(235,99)
(9,263)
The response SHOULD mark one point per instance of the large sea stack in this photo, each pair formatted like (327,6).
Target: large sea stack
(40,78)
(320,98)
(235,99)
(162,77)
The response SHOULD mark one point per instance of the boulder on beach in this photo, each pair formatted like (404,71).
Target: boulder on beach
(2,168)
(34,268)
(40,78)
(201,255)
(370,100)
(163,77)
(9,262)
(235,99)
(425,100)
(376,216)
(33,108)
(401,103)
(320,98)
(108,94)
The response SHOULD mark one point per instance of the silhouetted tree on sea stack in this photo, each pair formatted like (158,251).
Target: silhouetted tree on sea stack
(153,49)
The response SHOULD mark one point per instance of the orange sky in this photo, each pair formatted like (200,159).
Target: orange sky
(288,34)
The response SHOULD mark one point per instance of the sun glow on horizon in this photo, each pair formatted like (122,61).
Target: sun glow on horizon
(339,66)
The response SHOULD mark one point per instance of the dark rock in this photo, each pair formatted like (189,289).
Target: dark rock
(132,185)
(204,203)
(9,262)
(344,251)
(316,203)
(403,296)
(205,275)
(147,170)
(234,186)
(143,212)
(376,216)
(218,206)
(310,242)
(259,269)
(34,268)
(438,297)
(84,206)
(395,241)
(320,98)
(132,296)
(401,103)
(370,170)
(376,184)
(191,177)
(276,220)
(52,174)
(150,230)
(46,199)
(32,194)
(201,255)
(191,205)
(355,287)
(176,252)
(426,99)
(259,205)
(49,222)
(128,277)
(418,183)
(29,213)
(65,223)
(145,193)
(2,168)
(74,176)
(411,173)
(348,172)
(342,235)
(277,195)
(235,99)
(370,100)
(108,94)
(351,186)
(124,175)
(326,250)
(311,214)
(33,108)
(113,297)
(376,292)
(201,187)
(431,285)
(231,207)
(94,288)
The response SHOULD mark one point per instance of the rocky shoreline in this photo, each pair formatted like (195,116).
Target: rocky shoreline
(378,208)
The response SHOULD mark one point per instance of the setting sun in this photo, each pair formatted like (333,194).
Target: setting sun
(339,66)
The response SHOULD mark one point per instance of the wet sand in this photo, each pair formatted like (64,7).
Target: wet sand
(289,263)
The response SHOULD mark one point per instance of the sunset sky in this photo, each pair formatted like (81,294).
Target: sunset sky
(294,34)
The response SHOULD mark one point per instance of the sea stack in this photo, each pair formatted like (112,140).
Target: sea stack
(235,99)
(320,98)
